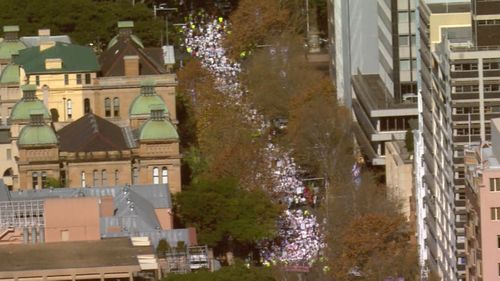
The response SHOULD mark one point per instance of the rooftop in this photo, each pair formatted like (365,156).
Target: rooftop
(63,255)
(75,58)
(371,91)
(445,8)
(92,133)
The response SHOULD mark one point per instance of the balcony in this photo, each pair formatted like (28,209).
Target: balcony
(465,96)
(464,74)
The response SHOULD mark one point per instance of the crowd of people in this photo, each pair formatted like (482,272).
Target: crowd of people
(300,237)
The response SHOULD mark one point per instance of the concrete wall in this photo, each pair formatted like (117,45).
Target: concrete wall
(71,219)
(399,177)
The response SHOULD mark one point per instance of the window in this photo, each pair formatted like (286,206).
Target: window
(404,40)
(9,154)
(495,213)
(117,177)
(44,179)
(69,109)
(104,178)
(79,79)
(116,107)
(107,107)
(86,106)
(37,80)
(34,179)
(87,78)
(135,176)
(156,175)
(403,17)
(404,64)
(495,184)
(66,79)
(96,178)
(82,179)
(498,241)
(164,175)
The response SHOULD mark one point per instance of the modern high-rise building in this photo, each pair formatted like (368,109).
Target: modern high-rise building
(434,190)
(374,67)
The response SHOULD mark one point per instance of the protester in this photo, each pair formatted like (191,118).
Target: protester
(300,237)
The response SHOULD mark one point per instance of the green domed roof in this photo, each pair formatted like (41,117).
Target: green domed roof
(9,48)
(147,100)
(143,104)
(10,74)
(28,104)
(158,130)
(37,135)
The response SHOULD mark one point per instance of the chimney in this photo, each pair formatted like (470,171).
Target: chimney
(125,28)
(29,92)
(10,32)
(44,45)
(131,65)
(44,32)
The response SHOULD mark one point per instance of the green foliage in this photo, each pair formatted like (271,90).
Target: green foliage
(85,21)
(222,212)
(53,182)
(237,272)
(162,248)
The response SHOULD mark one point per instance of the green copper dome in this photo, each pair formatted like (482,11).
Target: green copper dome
(9,48)
(27,105)
(147,100)
(37,135)
(155,130)
(10,74)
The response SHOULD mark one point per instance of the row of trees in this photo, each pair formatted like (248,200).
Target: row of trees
(85,21)
(368,237)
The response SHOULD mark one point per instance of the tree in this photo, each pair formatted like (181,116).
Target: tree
(162,248)
(85,21)
(54,182)
(237,272)
(223,213)
(268,17)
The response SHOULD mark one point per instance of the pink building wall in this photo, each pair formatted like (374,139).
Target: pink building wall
(72,219)
(489,229)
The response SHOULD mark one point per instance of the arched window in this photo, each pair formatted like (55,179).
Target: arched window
(69,108)
(96,178)
(82,179)
(117,177)
(86,106)
(44,179)
(104,178)
(116,107)
(156,175)
(164,175)
(135,176)
(34,179)
(107,107)
(8,173)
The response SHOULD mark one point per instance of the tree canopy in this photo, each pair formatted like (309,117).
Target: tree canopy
(237,272)
(221,212)
(85,21)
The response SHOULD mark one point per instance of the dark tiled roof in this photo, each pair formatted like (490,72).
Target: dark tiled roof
(63,255)
(91,133)
(150,59)
(74,58)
